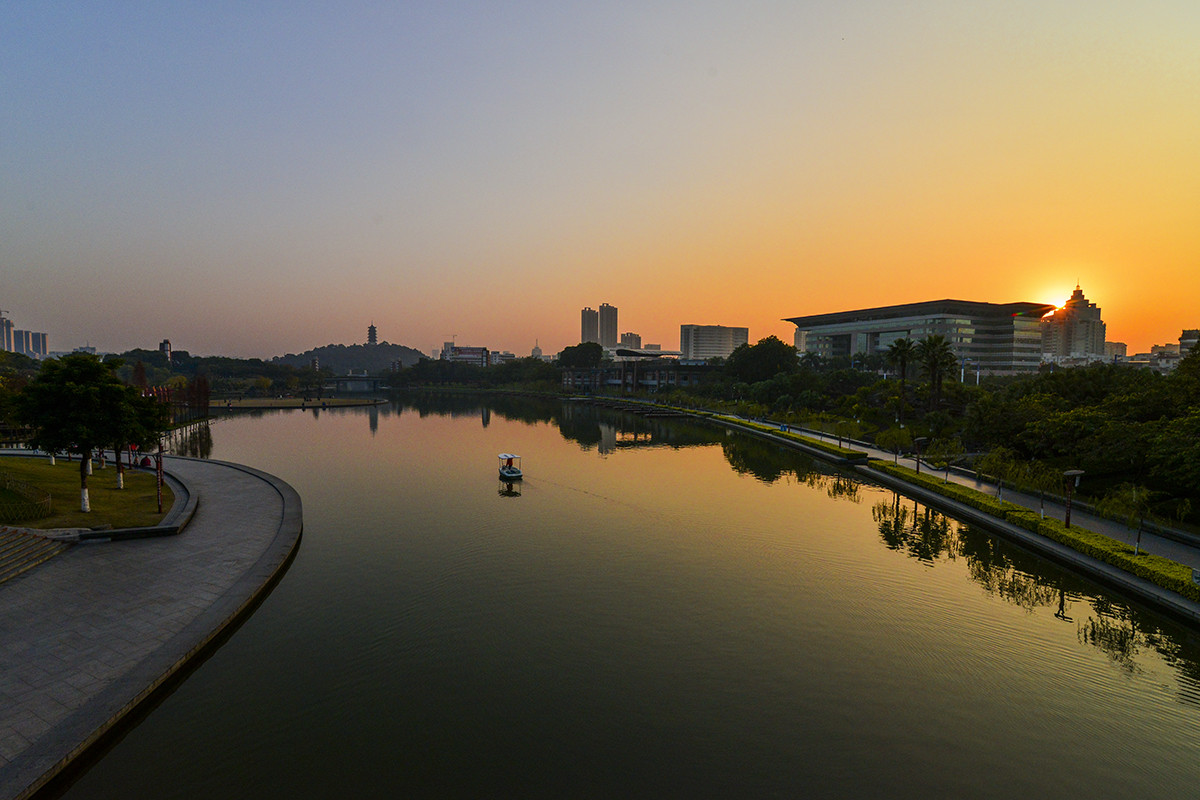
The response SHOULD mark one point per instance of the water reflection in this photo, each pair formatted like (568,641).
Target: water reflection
(193,440)
(1119,631)
(1122,633)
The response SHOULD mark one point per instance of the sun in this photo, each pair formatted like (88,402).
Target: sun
(1053,296)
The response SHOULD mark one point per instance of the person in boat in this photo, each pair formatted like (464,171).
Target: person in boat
(508,463)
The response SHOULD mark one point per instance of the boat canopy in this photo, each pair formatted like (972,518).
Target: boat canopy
(509,455)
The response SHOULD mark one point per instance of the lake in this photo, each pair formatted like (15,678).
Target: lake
(662,608)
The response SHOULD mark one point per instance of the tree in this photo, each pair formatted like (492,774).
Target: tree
(584,355)
(78,403)
(936,359)
(1129,502)
(762,361)
(894,440)
(140,423)
(901,352)
(943,453)
(1041,478)
(1001,464)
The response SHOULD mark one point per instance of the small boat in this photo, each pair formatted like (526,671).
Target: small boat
(510,467)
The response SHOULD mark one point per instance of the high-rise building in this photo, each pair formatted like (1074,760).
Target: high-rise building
(39,345)
(631,340)
(1074,332)
(608,325)
(6,334)
(371,338)
(164,347)
(22,342)
(994,338)
(589,326)
(702,342)
(537,351)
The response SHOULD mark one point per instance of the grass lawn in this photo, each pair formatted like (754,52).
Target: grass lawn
(132,507)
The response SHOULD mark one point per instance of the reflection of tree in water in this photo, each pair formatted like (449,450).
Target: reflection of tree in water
(925,536)
(192,440)
(769,463)
(1025,580)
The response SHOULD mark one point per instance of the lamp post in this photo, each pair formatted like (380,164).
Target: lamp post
(917,442)
(1071,484)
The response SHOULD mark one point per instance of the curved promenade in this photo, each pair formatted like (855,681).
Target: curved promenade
(90,634)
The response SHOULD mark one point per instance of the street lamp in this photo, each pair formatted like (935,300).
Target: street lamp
(917,442)
(1071,484)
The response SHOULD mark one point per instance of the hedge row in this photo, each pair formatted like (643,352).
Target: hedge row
(1156,569)
(963,494)
(831,449)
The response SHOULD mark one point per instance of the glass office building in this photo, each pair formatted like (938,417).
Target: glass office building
(993,338)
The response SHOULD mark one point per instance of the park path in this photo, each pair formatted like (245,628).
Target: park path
(92,632)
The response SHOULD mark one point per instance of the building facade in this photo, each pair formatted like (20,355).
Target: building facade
(608,325)
(702,342)
(589,325)
(1074,333)
(632,340)
(991,338)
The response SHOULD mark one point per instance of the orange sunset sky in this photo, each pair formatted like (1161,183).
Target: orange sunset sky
(257,180)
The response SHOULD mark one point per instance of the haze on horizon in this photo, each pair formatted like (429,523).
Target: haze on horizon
(259,179)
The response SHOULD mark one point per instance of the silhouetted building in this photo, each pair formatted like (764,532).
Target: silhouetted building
(632,340)
(993,338)
(608,325)
(1073,333)
(371,337)
(164,347)
(702,342)
(1187,340)
(6,334)
(589,325)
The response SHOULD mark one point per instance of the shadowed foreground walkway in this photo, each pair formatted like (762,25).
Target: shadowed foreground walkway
(89,634)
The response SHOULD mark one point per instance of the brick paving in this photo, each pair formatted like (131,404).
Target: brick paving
(87,635)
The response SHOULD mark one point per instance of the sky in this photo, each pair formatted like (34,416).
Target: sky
(254,179)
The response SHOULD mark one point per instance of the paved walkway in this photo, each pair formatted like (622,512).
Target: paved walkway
(91,633)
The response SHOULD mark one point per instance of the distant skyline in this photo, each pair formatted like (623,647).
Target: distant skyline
(264,179)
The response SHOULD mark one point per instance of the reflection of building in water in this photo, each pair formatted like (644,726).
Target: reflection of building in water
(373,418)
(608,438)
(485,415)
(632,375)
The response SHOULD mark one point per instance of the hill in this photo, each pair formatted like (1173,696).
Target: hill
(340,358)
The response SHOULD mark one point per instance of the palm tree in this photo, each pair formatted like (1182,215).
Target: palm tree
(900,352)
(937,359)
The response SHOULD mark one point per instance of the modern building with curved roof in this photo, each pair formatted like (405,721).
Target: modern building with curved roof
(990,338)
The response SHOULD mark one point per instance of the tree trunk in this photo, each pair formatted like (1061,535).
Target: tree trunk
(85,458)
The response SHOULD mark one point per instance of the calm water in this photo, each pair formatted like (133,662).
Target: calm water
(659,610)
